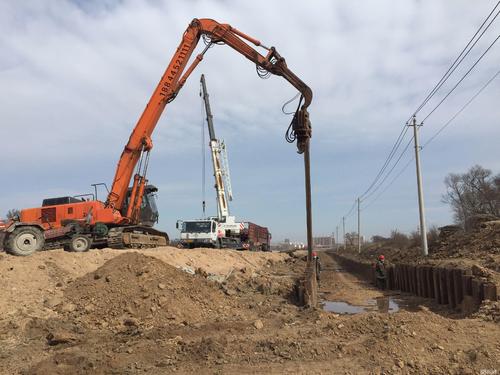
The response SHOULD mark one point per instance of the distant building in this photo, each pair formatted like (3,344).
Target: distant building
(288,245)
(351,239)
(325,242)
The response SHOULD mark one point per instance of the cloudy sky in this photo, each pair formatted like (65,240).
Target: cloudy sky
(75,77)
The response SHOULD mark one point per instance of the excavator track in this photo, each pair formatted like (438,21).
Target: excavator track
(136,237)
(115,238)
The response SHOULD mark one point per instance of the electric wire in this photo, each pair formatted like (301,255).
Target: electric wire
(466,50)
(461,79)
(436,134)
(389,185)
(350,211)
(390,171)
(459,59)
(389,158)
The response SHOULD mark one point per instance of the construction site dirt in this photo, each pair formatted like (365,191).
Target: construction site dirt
(480,246)
(220,311)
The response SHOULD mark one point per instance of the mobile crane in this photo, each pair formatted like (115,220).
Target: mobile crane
(118,222)
(222,230)
(219,153)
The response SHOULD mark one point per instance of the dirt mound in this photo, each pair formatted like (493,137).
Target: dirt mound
(489,311)
(137,290)
(241,284)
(481,246)
(391,253)
(260,332)
(34,285)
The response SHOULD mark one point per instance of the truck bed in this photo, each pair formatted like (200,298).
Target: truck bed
(256,236)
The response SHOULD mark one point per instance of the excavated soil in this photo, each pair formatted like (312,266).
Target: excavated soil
(478,250)
(481,245)
(136,289)
(32,285)
(137,314)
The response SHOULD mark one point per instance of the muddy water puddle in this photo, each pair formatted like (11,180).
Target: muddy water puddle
(381,304)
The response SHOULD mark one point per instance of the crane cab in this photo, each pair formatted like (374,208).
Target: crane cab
(149,210)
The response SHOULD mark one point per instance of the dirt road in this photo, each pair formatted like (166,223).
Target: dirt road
(138,314)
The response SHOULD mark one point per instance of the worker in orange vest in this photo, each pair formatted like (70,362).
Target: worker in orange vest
(381,273)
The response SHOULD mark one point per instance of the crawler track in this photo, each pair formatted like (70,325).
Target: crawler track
(136,237)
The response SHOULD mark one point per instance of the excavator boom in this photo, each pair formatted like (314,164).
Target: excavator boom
(170,84)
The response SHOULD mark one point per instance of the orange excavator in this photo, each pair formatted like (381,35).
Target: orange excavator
(127,216)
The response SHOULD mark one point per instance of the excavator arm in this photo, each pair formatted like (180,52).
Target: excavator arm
(136,152)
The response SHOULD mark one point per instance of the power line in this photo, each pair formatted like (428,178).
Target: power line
(461,109)
(461,79)
(463,54)
(350,211)
(393,151)
(434,136)
(378,180)
(390,171)
(458,60)
(390,184)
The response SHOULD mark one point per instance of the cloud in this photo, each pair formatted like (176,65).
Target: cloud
(75,77)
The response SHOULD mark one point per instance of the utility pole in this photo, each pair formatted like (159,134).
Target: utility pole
(337,239)
(343,229)
(359,229)
(421,207)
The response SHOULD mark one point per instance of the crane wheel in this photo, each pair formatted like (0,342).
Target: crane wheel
(25,240)
(79,244)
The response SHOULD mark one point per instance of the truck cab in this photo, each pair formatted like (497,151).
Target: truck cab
(210,233)
(198,233)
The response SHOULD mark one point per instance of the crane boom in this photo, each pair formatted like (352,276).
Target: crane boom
(208,109)
(215,150)
(225,171)
(173,79)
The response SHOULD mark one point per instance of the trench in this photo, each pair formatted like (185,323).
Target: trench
(347,287)
(342,292)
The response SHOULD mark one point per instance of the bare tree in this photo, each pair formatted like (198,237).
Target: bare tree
(414,238)
(433,235)
(399,239)
(351,238)
(475,192)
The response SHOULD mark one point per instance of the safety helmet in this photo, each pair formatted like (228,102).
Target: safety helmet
(314,254)
(381,257)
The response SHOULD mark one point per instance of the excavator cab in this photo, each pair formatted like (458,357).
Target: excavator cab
(149,211)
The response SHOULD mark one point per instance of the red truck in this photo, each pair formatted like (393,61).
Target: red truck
(254,237)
